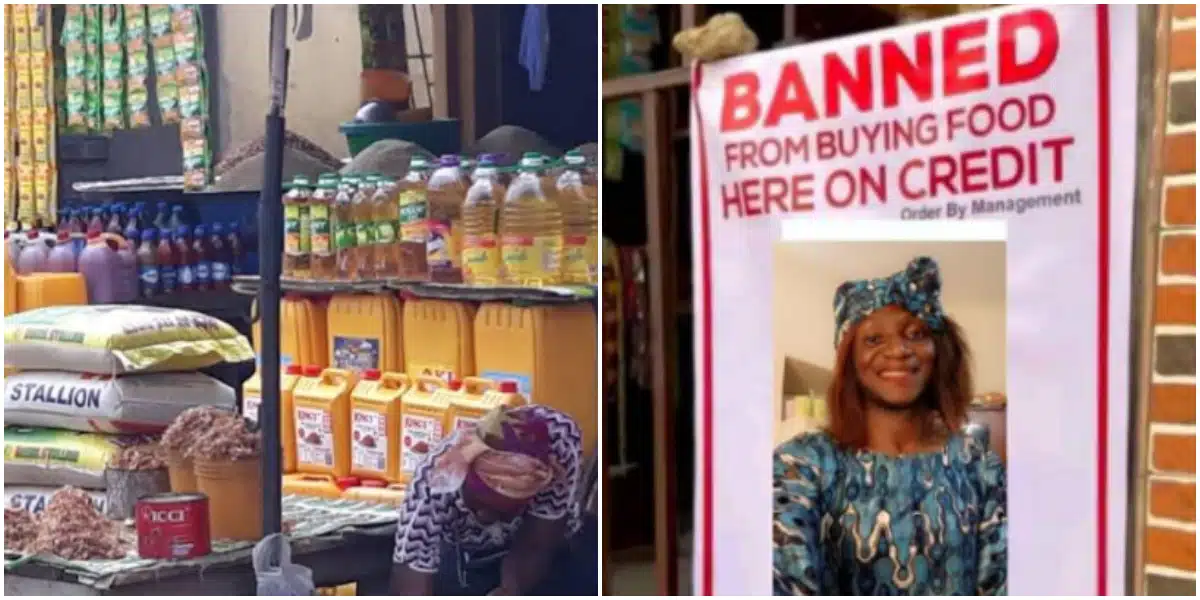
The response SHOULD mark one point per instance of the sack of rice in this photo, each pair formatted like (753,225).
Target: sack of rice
(106,404)
(56,458)
(34,498)
(115,339)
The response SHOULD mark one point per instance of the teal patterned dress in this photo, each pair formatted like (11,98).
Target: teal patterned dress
(860,523)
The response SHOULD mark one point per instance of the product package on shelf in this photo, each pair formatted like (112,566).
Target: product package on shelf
(93,73)
(159,18)
(192,85)
(113,66)
(75,60)
(137,76)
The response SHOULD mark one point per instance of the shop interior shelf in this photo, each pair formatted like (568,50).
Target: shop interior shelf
(249,284)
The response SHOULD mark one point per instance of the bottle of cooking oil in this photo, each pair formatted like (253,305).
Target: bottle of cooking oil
(577,200)
(296,229)
(446,190)
(364,227)
(385,209)
(320,209)
(530,228)
(481,244)
(414,220)
(345,229)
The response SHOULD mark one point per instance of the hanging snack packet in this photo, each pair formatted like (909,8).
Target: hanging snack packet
(74,69)
(94,76)
(137,79)
(168,87)
(159,18)
(196,162)
(113,101)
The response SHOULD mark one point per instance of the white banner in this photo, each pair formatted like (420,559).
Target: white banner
(1023,113)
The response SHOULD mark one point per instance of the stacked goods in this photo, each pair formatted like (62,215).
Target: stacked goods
(69,527)
(112,35)
(137,51)
(65,425)
(223,455)
(192,87)
(29,64)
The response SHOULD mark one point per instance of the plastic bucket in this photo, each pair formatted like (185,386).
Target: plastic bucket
(181,473)
(234,490)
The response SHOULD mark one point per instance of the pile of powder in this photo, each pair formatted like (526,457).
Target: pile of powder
(20,529)
(190,425)
(242,169)
(73,529)
(228,440)
(142,457)
(387,157)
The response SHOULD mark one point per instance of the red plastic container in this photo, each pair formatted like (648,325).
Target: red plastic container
(173,526)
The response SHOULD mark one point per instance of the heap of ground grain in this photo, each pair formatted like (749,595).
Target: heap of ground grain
(242,169)
(386,157)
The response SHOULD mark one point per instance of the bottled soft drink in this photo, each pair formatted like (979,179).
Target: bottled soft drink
(185,261)
(446,191)
(323,261)
(75,223)
(133,230)
(345,233)
(481,244)
(221,271)
(386,212)
(177,219)
(147,261)
(202,255)
(297,229)
(168,273)
(64,215)
(162,216)
(364,228)
(530,228)
(96,224)
(233,238)
(116,221)
(128,270)
(577,194)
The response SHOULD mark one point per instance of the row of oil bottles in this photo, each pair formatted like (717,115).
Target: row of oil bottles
(346,436)
(456,222)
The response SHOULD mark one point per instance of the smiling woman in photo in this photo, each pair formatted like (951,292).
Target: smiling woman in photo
(893,496)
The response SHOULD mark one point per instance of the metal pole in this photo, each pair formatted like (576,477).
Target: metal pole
(270,254)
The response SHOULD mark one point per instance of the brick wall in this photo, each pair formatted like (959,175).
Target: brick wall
(1170,549)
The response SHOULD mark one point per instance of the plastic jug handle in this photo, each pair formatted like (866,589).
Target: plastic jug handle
(429,380)
(477,385)
(394,381)
(335,375)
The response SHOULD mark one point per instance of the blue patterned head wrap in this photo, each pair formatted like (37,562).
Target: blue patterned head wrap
(917,289)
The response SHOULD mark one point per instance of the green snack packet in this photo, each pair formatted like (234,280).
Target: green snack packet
(164,54)
(168,98)
(139,106)
(159,18)
(114,109)
(135,27)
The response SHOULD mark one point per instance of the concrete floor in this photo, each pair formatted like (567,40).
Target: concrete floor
(637,578)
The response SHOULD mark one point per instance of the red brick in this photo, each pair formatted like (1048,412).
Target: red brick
(1183,50)
(1174,453)
(1173,500)
(1179,154)
(1178,254)
(1171,548)
(1179,207)
(1175,305)
(1173,403)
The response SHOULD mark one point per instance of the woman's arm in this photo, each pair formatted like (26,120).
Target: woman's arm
(993,528)
(419,534)
(409,582)
(547,522)
(796,530)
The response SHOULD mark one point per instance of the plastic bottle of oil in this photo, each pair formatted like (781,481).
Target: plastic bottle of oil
(320,210)
(414,219)
(364,227)
(481,244)
(447,187)
(296,229)
(345,229)
(530,228)
(385,209)
(577,199)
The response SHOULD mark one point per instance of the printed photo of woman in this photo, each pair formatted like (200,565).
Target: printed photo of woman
(894,494)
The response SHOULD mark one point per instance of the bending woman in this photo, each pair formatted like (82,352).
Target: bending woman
(892,497)
(491,510)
